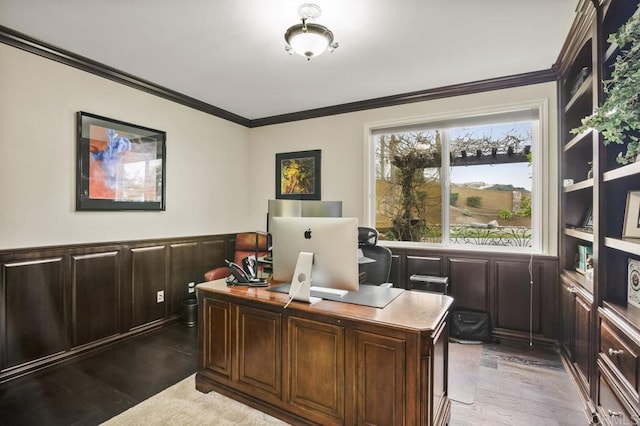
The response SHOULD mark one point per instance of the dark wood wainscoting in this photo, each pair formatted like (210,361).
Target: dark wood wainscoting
(63,301)
(497,283)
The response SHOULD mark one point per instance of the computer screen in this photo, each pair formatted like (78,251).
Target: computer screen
(333,242)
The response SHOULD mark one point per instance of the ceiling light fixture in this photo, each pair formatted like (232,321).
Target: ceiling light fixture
(307,39)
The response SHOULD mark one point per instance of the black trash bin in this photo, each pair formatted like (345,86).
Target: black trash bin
(190,312)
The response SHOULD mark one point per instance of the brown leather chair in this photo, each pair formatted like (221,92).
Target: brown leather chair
(245,247)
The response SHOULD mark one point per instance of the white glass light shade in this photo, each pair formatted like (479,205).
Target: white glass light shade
(312,42)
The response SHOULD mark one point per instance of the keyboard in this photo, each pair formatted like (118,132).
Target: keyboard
(324,290)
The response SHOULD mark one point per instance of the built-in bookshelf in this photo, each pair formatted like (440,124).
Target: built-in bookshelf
(600,330)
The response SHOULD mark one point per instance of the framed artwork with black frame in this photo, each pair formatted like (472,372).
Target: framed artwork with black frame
(588,220)
(120,166)
(298,175)
(631,226)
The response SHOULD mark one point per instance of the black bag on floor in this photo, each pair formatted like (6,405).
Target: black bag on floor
(467,324)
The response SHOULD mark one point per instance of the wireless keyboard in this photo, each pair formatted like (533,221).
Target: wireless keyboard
(325,290)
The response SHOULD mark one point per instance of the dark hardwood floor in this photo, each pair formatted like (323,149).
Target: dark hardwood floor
(98,387)
(517,384)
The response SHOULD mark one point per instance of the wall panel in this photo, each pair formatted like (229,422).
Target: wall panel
(516,294)
(58,302)
(33,308)
(95,296)
(468,283)
(497,283)
(148,274)
(183,270)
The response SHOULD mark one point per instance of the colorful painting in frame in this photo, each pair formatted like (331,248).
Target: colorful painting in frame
(120,166)
(298,175)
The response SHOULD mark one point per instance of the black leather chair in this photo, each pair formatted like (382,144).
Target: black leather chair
(374,273)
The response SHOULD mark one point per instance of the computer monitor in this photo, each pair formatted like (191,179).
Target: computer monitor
(333,242)
(302,208)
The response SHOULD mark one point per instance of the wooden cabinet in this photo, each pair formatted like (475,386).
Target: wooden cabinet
(598,329)
(326,363)
(575,333)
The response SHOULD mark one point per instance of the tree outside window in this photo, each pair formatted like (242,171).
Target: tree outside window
(489,176)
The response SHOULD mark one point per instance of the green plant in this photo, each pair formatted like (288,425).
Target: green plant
(466,212)
(619,116)
(474,201)
(505,214)
(453,198)
(525,206)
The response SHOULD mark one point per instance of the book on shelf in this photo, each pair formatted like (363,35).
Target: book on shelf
(585,254)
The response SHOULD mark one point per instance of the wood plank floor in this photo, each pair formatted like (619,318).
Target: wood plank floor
(517,385)
(520,385)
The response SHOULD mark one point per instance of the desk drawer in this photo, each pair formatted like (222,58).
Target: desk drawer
(622,353)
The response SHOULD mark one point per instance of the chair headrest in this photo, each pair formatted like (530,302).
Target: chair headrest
(246,241)
(367,236)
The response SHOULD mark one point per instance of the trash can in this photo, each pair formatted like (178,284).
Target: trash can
(190,312)
(429,283)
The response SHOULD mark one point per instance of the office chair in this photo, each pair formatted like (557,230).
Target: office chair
(247,243)
(375,273)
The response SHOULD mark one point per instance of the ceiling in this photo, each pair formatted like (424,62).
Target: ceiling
(230,53)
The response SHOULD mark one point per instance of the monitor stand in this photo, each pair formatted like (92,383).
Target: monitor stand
(301,282)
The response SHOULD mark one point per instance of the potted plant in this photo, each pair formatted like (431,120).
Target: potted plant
(618,118)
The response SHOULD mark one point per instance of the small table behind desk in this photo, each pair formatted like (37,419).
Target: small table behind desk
(329,362)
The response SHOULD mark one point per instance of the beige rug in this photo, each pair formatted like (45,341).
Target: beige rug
(182,404)
(464,366)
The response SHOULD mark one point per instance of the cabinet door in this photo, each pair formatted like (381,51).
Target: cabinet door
(380,379)
(567,316)
(216,321)
(316,369)
(259,350)
(582,339)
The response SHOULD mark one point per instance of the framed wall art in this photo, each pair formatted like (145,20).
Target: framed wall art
(631,227)
(588,220)
(120,166)
(298,175)
(633,283)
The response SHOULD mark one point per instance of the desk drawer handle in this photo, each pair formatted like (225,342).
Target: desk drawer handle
(613,352)
(614,413)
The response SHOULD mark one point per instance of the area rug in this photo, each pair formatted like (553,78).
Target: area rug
(182,404)
(464,366)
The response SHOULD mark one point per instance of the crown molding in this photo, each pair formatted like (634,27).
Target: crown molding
(524,79)
(40,48)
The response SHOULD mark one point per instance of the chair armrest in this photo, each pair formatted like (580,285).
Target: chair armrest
(217,273)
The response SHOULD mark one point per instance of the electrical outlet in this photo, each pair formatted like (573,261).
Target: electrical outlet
(160,296)
(192,287)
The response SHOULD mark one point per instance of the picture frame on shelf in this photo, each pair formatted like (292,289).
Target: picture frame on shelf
(631,226)
(119,165)
(587,222)
(298,175)
(633,283)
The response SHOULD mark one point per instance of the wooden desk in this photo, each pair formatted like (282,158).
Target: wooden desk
(326,363)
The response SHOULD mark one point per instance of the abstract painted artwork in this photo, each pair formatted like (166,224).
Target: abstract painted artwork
(298,175)
(121,166)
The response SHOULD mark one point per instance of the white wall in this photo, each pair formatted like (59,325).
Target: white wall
(219,174)
(206,176)
(342,140)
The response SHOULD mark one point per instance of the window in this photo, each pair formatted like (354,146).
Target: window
(469,181)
